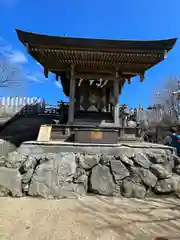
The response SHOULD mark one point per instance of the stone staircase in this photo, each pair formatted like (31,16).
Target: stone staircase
(24,128)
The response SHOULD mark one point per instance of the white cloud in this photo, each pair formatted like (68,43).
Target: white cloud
(58,84)
(35,77)
(11,54)
(17,57)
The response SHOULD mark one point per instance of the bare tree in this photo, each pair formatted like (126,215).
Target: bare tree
(168,99)
(11,75)
(164,111)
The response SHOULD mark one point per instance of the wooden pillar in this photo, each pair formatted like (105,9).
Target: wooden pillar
(104,99)
(116,95)
(111,98)
(108,97)
(72,97)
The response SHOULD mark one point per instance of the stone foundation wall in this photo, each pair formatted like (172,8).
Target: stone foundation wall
(129,172)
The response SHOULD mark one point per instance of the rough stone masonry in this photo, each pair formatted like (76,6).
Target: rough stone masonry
(129,171)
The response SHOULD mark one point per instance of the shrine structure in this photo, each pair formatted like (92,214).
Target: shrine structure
(92,73)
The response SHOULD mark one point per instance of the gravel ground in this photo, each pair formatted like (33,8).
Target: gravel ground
(89,218)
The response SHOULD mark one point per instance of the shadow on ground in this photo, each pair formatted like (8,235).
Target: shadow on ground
(91,218)
(133,218)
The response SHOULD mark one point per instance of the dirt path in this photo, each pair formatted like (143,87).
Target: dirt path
(89,218)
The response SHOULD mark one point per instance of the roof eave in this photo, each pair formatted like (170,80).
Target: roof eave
(39,40)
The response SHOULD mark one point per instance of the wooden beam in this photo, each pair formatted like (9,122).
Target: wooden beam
(87,77)
(54,47)
(52,64)
(94,77)
(81,71)
(101,54)
(92,73)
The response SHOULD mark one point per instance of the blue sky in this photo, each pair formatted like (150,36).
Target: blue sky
(114,19)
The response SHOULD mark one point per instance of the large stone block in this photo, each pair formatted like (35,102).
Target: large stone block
(15,160)
(54,178)
(26,177)
(176,160)
(176,179)
(177,169)
(88,161)
(35,159)
(118,169)
(160,172)
(105,159)
(148,178)
(126,160)
(6,147)
(101,181)
(156,157)
(166,185)
(2,161)
(142,160)
(10,179)
(168,164)
(131,189)
(134,175)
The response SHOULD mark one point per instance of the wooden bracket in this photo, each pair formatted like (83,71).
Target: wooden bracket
(142,77)
(165,53)
(129,80)
(46,72)
(57,77)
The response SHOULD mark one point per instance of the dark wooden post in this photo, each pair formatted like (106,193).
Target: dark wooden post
(116,95)
(72,97)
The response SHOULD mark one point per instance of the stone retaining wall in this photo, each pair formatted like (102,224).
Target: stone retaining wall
(130,172)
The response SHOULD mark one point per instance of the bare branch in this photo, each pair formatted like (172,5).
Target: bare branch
(10,74)
(167,99)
